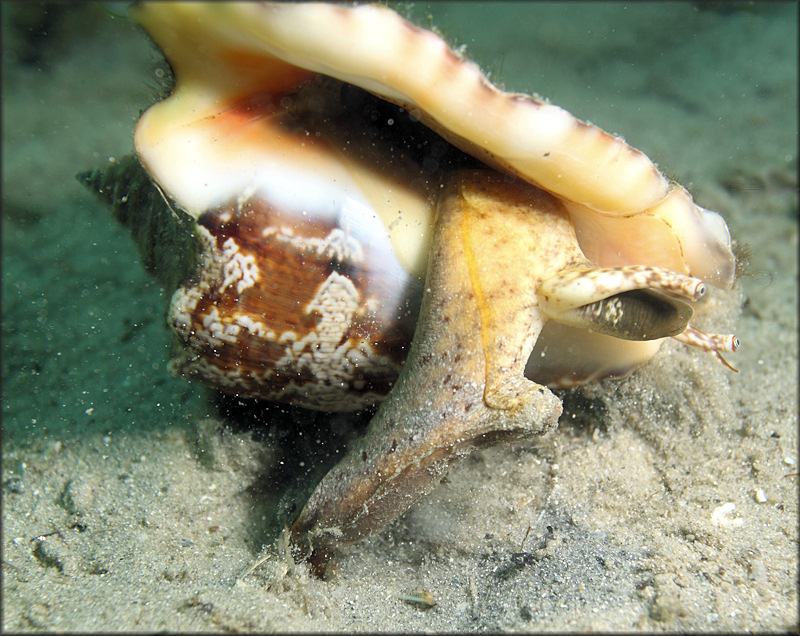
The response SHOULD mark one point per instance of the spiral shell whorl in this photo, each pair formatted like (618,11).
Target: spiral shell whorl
(165,235)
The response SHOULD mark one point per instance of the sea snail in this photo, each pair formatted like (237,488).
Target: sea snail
(326,182)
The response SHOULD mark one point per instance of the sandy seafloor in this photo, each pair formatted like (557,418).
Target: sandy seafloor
(666,501)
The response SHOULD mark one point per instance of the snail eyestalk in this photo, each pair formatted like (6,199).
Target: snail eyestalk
(714,343)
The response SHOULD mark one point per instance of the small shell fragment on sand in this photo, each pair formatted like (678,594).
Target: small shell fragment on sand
(721,517)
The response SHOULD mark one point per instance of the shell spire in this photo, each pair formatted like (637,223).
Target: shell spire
(164,234)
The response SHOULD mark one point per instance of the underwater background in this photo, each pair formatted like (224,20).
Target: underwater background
(134,500)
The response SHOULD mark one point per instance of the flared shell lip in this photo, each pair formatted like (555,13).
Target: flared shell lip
(374,48)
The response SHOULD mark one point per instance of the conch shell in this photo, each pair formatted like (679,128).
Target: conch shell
(320,162)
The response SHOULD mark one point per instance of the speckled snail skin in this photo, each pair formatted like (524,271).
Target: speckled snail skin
(316,163)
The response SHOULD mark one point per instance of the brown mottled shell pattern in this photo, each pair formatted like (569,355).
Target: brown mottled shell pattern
(321,337)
